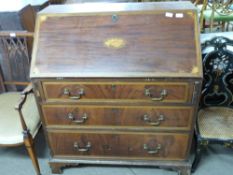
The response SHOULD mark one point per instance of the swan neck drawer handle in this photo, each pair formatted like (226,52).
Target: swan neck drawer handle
(162,96)
(82,149)
(154,150)
(67,92)
(82,119)
(148,120)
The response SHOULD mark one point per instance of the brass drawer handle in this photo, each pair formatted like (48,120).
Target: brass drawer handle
(71,117)
(75,97)
(154,150)
(148,120)
(82,149)
(163,94)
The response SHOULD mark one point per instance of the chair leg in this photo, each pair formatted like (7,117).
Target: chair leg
(201,145)
(227,26)
(202,20)
(223,26)
(28,141)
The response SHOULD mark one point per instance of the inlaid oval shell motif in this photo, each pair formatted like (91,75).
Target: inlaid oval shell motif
(115,43)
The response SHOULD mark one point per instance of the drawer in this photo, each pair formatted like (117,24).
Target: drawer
(81,91)
(138,116)
(128,145)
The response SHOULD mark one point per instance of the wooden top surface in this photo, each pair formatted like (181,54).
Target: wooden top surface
(115,7)
(117,40)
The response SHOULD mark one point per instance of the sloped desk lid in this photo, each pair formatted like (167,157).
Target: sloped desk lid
(117,40)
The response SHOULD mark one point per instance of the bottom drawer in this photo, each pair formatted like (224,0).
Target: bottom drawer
(128,145)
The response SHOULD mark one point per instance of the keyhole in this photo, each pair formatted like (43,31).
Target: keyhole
(113,87)
(115,18)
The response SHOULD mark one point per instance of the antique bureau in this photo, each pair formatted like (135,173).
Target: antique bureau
(118,83)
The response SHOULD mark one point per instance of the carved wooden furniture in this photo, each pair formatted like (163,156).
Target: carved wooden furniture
(216,11)
(19,116)
(18,17)
(215,116)
(114,87)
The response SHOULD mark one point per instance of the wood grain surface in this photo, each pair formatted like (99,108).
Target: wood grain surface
(176,92)
(137,116)
(173,146)
(118,82)
(113,44)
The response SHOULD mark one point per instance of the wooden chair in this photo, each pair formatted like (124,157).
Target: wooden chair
(215,116)
(215,11)
(19,116)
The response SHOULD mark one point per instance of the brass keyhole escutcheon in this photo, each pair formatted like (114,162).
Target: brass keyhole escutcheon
(115,18)
(107,147)
(113,87)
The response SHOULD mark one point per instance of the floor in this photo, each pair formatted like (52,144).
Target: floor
(15,161)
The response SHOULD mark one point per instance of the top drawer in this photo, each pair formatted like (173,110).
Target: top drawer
(180,92)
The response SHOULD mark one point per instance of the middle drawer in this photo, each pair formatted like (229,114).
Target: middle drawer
(180,117)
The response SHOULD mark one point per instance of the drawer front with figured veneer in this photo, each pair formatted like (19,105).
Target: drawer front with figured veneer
(180,92)
(124,145)
(121,116)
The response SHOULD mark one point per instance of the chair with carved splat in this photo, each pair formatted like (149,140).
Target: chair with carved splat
(215,116)
(213,11)
(19,116)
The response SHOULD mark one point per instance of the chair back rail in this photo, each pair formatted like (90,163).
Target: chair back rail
(15,60)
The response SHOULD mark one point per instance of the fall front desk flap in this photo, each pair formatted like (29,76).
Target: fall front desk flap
(117,40)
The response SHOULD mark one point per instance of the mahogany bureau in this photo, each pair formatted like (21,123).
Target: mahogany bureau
(118,83)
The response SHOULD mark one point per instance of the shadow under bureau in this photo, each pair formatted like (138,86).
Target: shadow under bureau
(118,83)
